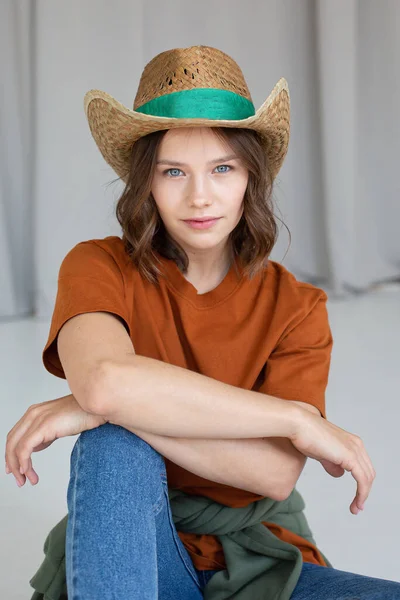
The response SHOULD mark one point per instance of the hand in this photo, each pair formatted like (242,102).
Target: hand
(39,427)
(337,450)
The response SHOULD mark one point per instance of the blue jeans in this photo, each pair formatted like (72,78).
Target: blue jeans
(121,541)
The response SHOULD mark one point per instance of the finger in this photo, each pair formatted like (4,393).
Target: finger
(20,457)
(24,422)
(361,477)
(32,438)
(352,465)
(31,473)
(369,472)
(13,464)
(13,438)
(370,466)
(17,424)
(332,468)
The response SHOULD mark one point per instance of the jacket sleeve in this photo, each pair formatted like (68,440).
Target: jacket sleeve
(49,581)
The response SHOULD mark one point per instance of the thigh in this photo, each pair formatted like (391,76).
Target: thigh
(121,541)
(177,576)
(324,583)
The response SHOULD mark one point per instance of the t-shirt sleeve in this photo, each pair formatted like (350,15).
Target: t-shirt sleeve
(298,367)
(89,280)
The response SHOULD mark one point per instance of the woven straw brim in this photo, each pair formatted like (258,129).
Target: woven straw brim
(115,127)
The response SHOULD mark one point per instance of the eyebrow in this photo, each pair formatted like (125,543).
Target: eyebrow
(166,161)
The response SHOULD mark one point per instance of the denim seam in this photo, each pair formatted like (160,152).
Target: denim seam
(190,567)
(74,553)
(160,502)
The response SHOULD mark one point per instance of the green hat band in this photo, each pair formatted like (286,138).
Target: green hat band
(200,103)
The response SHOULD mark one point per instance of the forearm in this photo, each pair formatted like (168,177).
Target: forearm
(154,396)
(262,466)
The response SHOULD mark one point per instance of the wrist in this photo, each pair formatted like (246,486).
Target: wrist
(296,416)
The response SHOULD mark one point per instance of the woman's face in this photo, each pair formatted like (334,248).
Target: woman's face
(196,179)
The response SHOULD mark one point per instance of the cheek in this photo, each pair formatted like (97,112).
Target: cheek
(238,186)
(237,195)
(157,189)
(239,212)
(161,195)
(163,211)
(167,208)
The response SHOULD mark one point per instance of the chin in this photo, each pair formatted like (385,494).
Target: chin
(199,244)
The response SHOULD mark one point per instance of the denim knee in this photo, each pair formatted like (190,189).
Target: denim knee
(113,445)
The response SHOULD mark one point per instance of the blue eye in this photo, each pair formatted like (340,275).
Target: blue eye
(168,170)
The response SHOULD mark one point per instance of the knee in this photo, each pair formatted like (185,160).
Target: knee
(111,442)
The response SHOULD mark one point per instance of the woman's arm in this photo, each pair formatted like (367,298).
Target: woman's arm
(266,466)
(157,397)
(261,466)
(160,401)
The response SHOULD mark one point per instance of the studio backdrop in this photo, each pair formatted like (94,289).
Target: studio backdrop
(338,190)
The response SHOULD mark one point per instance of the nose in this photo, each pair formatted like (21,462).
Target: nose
(199,193)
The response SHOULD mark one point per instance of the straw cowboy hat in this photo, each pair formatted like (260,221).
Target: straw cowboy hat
(196,86)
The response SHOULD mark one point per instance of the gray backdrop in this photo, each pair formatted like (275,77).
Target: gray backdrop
(338,190)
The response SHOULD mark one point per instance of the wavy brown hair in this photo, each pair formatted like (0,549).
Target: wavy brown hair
(143,229)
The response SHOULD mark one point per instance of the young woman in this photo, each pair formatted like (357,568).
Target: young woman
(197,366)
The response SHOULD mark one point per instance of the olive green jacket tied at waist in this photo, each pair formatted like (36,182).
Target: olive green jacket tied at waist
(260,566)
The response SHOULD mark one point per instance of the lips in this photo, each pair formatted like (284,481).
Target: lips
(204,224)
(202,220)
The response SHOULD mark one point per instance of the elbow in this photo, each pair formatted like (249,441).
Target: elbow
(279,493)
(283,488)
(284,493)
(98,389)
(276,490)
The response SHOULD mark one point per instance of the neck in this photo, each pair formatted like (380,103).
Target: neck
(206,275)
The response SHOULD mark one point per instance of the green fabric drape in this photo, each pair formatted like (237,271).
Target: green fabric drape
(260,566)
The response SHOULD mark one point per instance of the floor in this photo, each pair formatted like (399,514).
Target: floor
(362,397)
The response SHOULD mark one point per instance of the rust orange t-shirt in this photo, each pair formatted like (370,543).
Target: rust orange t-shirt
(268,334)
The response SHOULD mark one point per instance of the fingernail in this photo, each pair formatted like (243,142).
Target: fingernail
(18,483)
(21,470)
(7,470)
